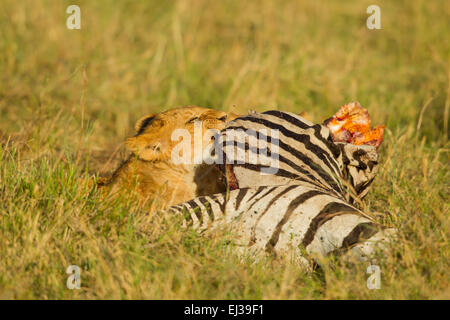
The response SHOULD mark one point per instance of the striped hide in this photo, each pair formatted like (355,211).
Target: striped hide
(291,190)
(276,148)
(288,218)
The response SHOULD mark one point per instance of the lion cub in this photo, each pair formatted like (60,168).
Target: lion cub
(151,167)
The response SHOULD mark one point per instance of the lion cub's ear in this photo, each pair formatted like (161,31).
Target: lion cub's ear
(143,122)
(149,146)
(145,147)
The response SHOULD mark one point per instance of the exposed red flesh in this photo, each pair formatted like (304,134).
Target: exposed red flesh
(351,124)
(231,178)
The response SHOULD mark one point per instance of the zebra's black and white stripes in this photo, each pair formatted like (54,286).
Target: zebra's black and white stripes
(277,218)
(297,150)
(305,205)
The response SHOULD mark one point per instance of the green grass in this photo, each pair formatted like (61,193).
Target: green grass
(138,57)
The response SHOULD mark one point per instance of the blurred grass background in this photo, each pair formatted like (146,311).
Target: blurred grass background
(68,98)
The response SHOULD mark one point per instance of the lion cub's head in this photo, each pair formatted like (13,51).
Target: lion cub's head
(155,138)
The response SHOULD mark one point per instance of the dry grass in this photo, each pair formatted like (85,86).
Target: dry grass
(57,125)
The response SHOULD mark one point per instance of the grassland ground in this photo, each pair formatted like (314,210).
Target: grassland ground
(68,99)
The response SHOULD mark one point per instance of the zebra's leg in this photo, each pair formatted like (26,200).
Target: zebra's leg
(366,249)
(354,237)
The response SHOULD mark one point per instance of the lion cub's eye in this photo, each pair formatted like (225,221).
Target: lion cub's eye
(224,118)
(192,120)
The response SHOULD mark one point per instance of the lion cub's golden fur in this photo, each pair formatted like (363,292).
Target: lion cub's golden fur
(150,167)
